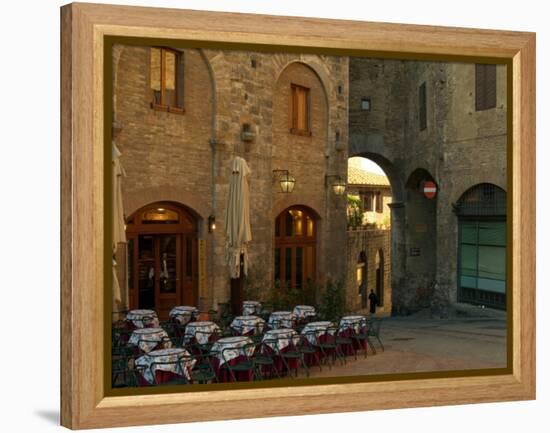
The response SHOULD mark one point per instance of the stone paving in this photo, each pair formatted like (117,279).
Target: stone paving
(427,345)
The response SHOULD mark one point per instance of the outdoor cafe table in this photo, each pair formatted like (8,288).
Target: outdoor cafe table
(251,307)
(231,350)
(279,341)
(315,331)
(143,318)
(162,373)
(304,311)
(281,319)
(184,313)
(147,339)
(350,325)
(205,330)
(248,325)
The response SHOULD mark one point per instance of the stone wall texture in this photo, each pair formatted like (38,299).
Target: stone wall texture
(460,147)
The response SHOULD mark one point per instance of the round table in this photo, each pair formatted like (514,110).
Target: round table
(231,350)
(251,307)
(317,328)
(304,311)
(143,318)
(281,319)
(205,330)
(354,323)
(148,338)
(280,339)
(184,313)
(246,325)
(165,355)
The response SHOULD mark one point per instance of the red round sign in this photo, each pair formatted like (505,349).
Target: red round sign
(429,189)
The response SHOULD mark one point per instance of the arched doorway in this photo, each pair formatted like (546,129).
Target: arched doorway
(380,277)
(362,278)
(295,244)
(481,213)
(162,257)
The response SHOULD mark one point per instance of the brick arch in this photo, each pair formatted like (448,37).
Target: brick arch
(284,203)
(318,69)
(474,182)
(140,197)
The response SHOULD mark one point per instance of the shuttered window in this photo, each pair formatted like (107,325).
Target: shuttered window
(486,87)
(422,110)
(299,108)
(367,201)
(166,79)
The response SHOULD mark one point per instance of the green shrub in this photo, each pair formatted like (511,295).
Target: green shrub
(333,301)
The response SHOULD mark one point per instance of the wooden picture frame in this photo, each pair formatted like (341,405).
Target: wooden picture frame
(84,28)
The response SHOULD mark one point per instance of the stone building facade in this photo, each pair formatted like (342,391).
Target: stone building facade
(423,124)
(236,103)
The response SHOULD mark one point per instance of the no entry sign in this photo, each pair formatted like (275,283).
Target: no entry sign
(429,189)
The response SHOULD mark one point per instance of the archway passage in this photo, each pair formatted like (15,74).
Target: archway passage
(362,278)
(162,257)
(295,245)
(481,213)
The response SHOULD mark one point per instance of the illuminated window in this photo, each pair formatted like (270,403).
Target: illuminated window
(167,79)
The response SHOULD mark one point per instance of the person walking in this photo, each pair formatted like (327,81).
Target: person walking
(373,300)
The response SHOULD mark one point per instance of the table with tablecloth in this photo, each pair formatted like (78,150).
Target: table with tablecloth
(142,318)
(183,314)
(248,325)
(317,332)
(148,339)
(201,332)
(231,350)
(251,308)
(279,341)
(281,319)
(304,312)
(352,325)
(164,372)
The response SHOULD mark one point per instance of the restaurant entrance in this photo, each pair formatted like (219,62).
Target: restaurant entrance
(162,258)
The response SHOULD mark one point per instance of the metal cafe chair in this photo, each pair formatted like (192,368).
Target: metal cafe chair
(264,359)
(374,331)
(242,364)
(361,338)
(330,349)
(291,353)
(203,369)
(308,349)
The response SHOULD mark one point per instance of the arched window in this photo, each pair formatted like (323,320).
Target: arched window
(295,243)
(380,277)
(362,278)
(482,245)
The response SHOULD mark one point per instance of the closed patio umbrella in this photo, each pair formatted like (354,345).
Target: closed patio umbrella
(237,218)
(119,234)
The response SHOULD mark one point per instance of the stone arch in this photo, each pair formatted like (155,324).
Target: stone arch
(136,199)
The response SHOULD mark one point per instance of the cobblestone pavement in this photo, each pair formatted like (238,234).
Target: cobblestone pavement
(427,345)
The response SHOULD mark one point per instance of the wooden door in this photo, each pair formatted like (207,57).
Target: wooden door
(162,258)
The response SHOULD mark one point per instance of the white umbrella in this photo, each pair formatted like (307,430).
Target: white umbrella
(237,218)
(119,234)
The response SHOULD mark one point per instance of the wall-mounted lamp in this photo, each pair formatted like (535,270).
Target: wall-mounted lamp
(211,223)
(286,180)
(338,186)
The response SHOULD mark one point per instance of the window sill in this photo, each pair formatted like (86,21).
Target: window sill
(300,132)
(167,109)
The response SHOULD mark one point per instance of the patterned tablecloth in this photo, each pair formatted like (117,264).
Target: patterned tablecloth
(247,324)
(282,337)
(205,328)
(184,313)
(304,311)
(143,318)
(229,348)
(352,322)
(165,355)
(148,338)
(319,328)
(251,307)
(281,319)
